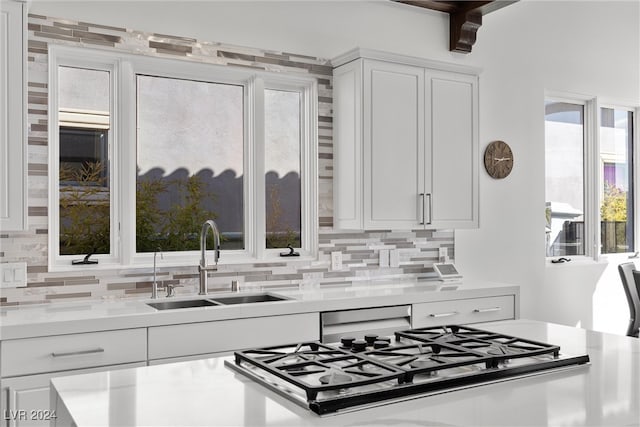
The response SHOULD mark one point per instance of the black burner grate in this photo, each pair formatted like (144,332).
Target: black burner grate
(316,367)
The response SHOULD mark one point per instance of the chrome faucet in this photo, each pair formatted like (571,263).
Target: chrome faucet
(154,285)
(202,267)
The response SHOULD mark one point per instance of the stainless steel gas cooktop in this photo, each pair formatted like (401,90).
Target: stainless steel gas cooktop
(358,373)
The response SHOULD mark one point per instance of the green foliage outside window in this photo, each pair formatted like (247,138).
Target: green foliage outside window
(176,228)
(85,213)
(614,204)
(613,213)
(84,210)
(279,234)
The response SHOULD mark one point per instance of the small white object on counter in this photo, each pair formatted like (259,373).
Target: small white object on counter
(205,392)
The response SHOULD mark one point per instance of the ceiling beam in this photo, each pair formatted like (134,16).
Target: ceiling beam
(465,18)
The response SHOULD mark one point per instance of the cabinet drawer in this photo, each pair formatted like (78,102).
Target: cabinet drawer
(74,351)
(228,335)
(463,311)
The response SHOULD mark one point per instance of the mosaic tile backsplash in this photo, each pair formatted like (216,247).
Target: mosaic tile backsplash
(418,249)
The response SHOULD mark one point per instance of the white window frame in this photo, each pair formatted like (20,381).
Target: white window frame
(126,67)
(95,60)
(593,177)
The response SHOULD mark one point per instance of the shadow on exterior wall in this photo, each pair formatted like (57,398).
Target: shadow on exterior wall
(225,195)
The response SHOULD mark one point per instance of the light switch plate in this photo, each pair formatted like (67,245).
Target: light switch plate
(336,261)
(13,275)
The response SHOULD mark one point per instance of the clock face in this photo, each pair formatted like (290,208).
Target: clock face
(498,159)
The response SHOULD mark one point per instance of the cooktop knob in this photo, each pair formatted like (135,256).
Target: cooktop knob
(370,338)
(359,345)
(347,341)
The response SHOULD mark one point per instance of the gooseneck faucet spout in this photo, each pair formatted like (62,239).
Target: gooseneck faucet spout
(203,268)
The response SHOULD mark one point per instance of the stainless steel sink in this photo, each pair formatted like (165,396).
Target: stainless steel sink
(247,299)
(170,305)
(222,300)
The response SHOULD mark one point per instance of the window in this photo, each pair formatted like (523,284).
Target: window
(150,148)
(189,162)
(589,178)
(616,199)
(564,185)
(282,166)
(84,125)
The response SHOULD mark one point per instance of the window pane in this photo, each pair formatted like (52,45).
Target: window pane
(282,166)
(564,181)
(190,163)
(84,125)
(616,207)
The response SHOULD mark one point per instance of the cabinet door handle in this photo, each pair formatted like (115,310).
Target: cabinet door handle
(421,208)
(486,310)
(78,353)
(430,211)
(449,314)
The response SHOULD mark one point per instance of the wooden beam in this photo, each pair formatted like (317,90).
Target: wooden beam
(465,18)
(440,6)
(463,26)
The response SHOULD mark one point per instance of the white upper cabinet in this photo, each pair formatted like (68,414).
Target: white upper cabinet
(452,137)
(394,130)
(406,144)
(12,116)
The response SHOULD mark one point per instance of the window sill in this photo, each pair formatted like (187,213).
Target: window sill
(587,261)
(182,261)
(575,261)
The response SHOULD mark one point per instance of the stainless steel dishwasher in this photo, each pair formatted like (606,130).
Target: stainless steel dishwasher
(358,322)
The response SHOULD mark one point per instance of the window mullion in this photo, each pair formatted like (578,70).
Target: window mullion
(310,171)
(257,212)
(127,161)
(593,180)
(635,162)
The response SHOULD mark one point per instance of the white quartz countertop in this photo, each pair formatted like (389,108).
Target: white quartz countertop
(206,393)
(76,317)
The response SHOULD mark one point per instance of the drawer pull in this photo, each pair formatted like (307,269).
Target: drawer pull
(451,313)
(78,353)
(487,310)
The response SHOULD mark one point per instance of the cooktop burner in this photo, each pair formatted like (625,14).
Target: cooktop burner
(359,372)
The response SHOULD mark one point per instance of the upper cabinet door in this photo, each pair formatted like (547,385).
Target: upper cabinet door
(393,149)
(12,117)
(406,144)
(452,161)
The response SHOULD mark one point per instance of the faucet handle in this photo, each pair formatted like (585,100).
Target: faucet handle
(171,290)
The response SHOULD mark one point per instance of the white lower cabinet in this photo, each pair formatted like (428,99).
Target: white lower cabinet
(204,338)
(29,364)
(463,311)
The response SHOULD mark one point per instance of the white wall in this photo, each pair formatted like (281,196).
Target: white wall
(588,47)
(580,47)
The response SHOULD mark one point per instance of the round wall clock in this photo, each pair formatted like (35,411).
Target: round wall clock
(498,159)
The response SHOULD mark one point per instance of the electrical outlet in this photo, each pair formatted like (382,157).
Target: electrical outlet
(336,261)
(383,257)
(13,275)
(443,255)
(394,258)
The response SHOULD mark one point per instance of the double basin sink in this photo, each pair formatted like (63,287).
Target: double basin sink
(222,300)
